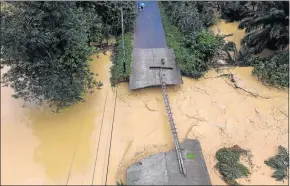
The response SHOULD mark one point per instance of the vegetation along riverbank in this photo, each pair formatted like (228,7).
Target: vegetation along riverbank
(67,57)
(197,49)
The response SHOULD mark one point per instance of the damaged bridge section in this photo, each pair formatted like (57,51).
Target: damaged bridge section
(162,168)
(146,65)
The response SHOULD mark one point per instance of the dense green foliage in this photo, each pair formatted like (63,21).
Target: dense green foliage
(280,163)
(46,46)
(110,20)
(266,23)
(207,44)
(229,166)
(273,70)
(267,26)
(235,10)
(117,70)
(207,10)
(194,46)
(185,16)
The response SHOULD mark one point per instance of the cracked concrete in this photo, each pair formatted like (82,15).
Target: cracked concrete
(162,168)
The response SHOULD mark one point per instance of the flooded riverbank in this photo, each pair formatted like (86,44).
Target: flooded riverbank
(73,147)
(94,142)
(210,110)
(224,28)
(47,148)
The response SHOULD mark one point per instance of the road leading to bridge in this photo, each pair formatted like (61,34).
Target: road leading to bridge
(153,63)
(149,32)
(149,48)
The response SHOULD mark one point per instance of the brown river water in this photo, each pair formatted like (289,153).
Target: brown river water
(94,142)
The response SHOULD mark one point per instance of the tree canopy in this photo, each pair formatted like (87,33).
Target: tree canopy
(46,46)
(265,22)
(268,26)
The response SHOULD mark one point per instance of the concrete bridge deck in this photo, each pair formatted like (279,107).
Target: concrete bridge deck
(162,168)
(149,48)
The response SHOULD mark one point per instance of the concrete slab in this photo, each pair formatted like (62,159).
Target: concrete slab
(149,48)
(153,174)
(162,168)
(141,74)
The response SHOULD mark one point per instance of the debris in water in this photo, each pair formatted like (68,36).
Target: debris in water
(229,164)
(280,163)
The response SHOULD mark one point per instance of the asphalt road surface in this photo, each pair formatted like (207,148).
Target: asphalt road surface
(149,32)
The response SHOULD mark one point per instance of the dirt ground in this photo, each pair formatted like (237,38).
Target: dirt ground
(94,142)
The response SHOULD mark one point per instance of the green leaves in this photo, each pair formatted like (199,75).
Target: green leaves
(233,10)
(229,166)
(193,45)
(117,74)
(280,163)
(208,44)
(266,23)
(273,70)
(46,46)
(267,26)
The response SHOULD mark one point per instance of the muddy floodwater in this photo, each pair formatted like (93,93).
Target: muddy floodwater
(94,142)
(225,28)
(73,147)
(222,27)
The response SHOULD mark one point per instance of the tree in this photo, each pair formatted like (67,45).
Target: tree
(45,44)
(267,26)
(185,16)
(273,70)
(234,10)
(109,11)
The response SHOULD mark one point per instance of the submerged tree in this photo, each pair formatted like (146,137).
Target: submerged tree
(280,163)
(45,44)
(267,26)
(235,10)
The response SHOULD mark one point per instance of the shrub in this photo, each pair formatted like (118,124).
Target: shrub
(233,10)
(229,166)
(273,70)
(207,44)
(193,46)
(280,163)
(185,16)
(117,73)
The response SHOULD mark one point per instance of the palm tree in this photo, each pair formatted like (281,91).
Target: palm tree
(267,26)
(234,10)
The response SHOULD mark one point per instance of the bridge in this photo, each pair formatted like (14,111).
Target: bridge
(149,48)
(153,64)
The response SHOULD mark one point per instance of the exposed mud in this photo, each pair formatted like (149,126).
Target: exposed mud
(222,27)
